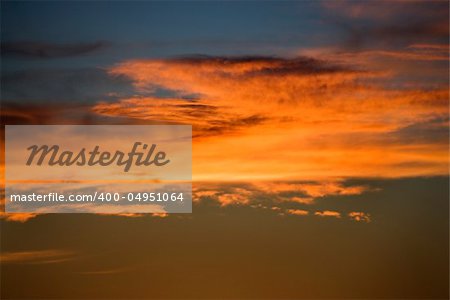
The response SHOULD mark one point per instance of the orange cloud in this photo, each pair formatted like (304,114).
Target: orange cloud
(328,213)
(250,193)
(302,200)
(307,193)
(297,212)
(360,216)
(160,215)
(240,196)
(273,118)
(36,256)
(18,217)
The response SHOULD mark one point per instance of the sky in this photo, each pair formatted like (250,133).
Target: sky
(320,146)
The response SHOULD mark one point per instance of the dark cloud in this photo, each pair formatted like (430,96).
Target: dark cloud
(21,114)
(389,23)
(227,126)
(40,50)
(85,85)
(430,131)
(56,114)
(394,34)
(269,65)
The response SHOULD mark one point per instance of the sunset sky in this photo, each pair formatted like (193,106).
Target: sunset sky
(320,143)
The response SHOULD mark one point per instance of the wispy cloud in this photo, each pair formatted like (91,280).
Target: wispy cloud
(388,23)
(36,256)
(42,50)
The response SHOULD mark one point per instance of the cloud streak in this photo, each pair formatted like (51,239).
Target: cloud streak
(36,256)
(44,50)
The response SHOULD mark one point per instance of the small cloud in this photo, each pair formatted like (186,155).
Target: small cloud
(129,215)
(233,199)
(197,195)
(17,217)
(360,216)
(303,200)
(160,215)
(328,213)
(297,212)
(309,191)
(224,195)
